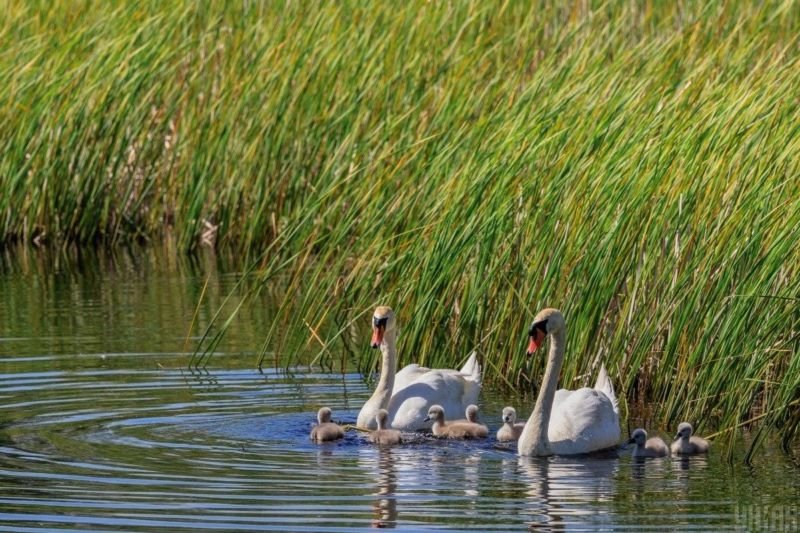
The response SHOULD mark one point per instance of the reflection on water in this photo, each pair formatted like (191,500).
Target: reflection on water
(560,489)
(103,427)
(381,461)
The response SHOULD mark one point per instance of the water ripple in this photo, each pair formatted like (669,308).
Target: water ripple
(143,449)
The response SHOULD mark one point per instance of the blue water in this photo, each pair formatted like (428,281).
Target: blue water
(105,429)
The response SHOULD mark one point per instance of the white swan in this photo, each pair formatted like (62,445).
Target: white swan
(567,422)
(411,392)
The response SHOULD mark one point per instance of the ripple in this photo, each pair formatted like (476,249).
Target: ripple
(142,449)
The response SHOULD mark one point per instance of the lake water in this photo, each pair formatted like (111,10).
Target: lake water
(104,428)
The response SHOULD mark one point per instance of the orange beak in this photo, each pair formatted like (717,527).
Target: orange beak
(377,336)
(536,340)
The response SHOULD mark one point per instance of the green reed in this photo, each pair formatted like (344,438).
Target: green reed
(634,164)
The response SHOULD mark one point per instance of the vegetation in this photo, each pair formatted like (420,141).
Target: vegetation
(634,164)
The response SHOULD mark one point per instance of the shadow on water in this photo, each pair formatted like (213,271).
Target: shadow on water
(104,427)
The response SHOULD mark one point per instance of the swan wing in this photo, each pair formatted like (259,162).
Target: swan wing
(605,386)
(471,372)
(582,421)
(409,407)
(408,375)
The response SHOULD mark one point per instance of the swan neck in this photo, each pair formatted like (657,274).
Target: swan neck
(540,417)
(383,391)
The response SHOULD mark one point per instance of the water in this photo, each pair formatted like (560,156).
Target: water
(104,428)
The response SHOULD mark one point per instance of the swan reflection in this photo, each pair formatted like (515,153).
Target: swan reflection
(559,489)
(382,461)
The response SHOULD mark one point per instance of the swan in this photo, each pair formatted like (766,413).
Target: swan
(511,429)
(567,422)
(384,435)
(408,394)
(686,443)
(644,447)
(454,430)
(470,415)
(326,430)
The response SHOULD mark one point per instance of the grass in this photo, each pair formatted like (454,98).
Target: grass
(635,164)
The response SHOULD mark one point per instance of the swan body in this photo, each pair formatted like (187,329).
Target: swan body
(686,443)
(407,395)
(567,422)
(326,430)
(644,447)
(454,430)
(511,429)
(384,435)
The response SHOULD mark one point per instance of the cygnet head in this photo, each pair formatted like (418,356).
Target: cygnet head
(546,322)
(435,413)
(383,323)
(383,419)
(324,415)
(472,412)
(684,430)
(638,437)
(509,415)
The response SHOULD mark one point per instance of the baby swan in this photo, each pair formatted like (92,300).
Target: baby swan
(644,447)
(326,430)
(454,430)
(686,443)
(471,415)
(384,435)
(511,429)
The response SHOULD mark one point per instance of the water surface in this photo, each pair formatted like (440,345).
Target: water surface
(104,428)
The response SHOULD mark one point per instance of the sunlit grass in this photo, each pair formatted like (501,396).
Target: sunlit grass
(635,164)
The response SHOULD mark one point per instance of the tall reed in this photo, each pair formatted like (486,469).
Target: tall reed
(635,164)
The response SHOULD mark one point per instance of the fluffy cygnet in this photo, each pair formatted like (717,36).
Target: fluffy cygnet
(454,430)
(384,435)
(511,429)
(471,415)
(644,447)
(686,443)
(326,430)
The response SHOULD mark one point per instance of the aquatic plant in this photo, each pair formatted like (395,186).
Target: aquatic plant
(468,163)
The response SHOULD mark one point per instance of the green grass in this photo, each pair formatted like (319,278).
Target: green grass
(635,164)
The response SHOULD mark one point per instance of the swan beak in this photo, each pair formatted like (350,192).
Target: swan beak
(631,441)
(427,419)
(377,336)
(536,340)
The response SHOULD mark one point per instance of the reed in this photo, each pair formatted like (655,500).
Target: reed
(634,164)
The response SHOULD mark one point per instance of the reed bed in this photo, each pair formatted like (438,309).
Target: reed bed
(635,164)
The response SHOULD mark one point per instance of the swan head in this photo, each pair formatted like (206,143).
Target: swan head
(638,437)
(382,323)
(472,412)
(382,418)
(324,415)
(684,430)
(435,413)
(546,322)
(509,415)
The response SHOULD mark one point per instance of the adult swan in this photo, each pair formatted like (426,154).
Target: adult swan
(408,394)
(567,422)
